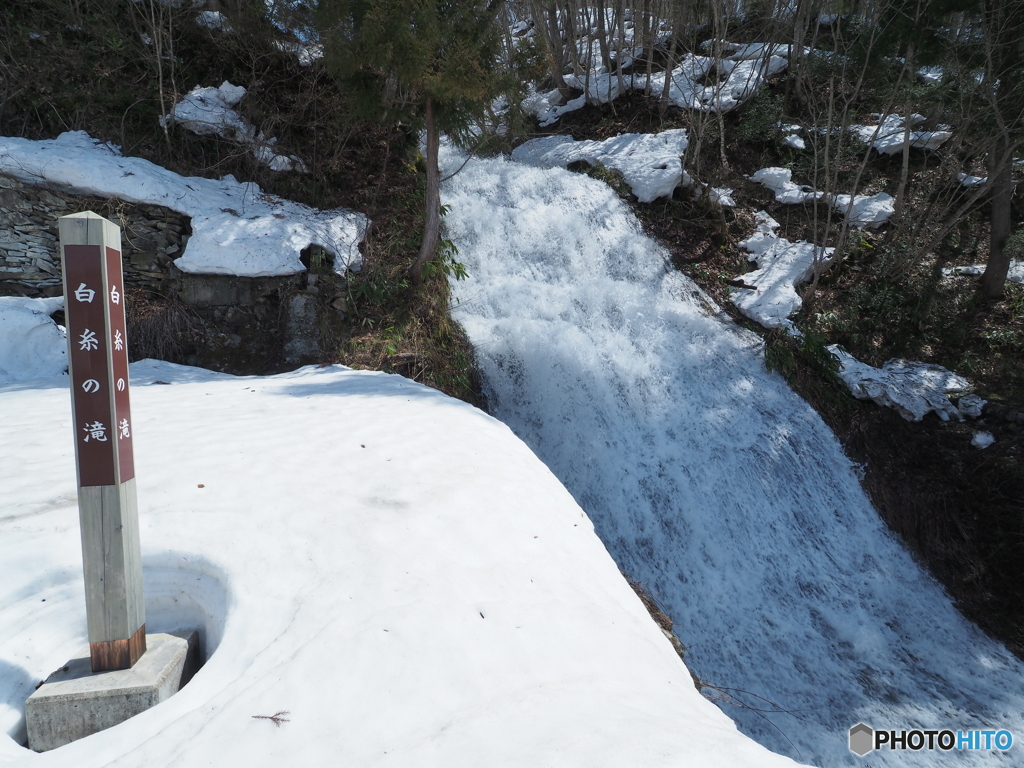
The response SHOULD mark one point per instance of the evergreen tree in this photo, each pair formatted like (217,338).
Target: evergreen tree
(431,64)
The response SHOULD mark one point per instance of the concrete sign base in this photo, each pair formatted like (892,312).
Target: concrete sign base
(74,702)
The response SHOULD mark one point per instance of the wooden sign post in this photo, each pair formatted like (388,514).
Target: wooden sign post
(102,425)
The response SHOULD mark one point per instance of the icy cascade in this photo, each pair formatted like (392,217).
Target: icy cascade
(707,478)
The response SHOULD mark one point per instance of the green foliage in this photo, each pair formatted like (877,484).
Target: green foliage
(445,263)
(1014,245)
(789,356)
(395,55)
(761,118)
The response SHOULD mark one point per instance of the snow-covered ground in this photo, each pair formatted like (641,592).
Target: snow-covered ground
(237,229)
(913,389)
(650,163)
(391,567)
(708,479)
(781,267)
(32,346)
(887,136)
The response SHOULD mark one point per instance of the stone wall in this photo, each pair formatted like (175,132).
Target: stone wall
(151,236)
(239,325)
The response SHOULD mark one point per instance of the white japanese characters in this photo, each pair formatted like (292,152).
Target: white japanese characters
(118,341)
(97,431)
(88,341)
(85,294)
(114,295)
(122,429)
(90,386)
(120,385)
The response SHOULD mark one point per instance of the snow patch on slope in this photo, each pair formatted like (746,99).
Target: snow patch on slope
(871,211)
(887,137)
(236,228)
(210,112)
(650,163)
(1014,275)
(912,389)
(782,266)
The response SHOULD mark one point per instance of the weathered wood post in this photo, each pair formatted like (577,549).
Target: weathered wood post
(98,368)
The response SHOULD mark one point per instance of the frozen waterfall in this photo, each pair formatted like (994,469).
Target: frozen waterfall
(708,480)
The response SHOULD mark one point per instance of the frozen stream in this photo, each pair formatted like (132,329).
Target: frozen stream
(709,480)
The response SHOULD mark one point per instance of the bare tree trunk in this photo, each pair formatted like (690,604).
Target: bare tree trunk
(1005,23)
(998,266)
(546,17)
(678,22)
(905,171)
(432,215)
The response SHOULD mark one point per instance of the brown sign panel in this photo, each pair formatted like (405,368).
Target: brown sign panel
(118,342)
(90,374)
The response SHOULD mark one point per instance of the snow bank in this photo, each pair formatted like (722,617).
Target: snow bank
(32,346)
(912,389)
(738,80)
(866,211)
(887,136)
(650,163)
(782,266)
(209,112)
(443,601)
(870,211)
(1014,275)
(236,228)
(780,181)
